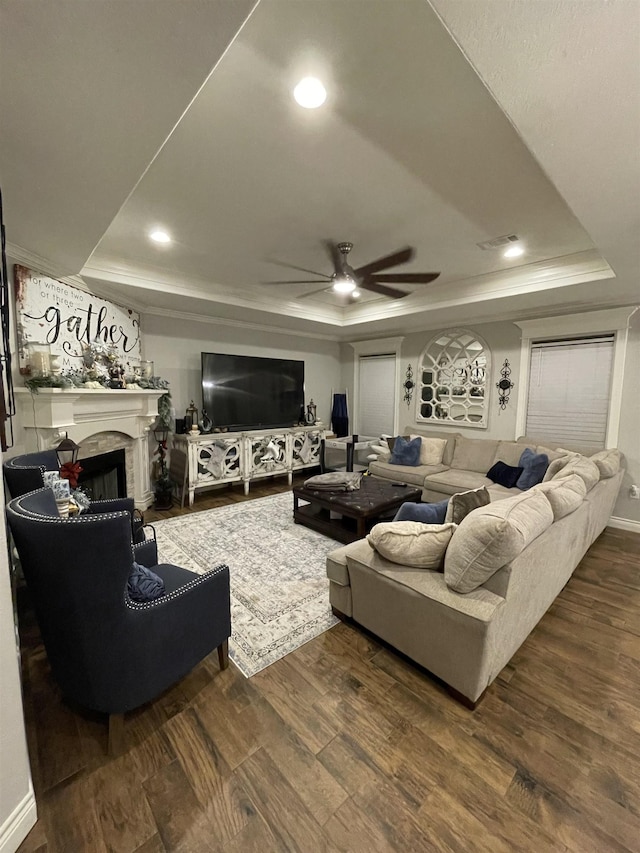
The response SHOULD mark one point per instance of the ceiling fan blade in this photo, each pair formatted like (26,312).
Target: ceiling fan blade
(324,289)
(300,269)
(301,281)
(372,285)
(401,257)
(407,277)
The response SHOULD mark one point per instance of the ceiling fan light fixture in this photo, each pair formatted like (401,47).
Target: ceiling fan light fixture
(513,252)
(344,284)
(310,93)
(355,294)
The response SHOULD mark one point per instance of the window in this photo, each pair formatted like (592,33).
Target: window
(610,323)
(371,366)
(377,397)
(569,390)
(453,377)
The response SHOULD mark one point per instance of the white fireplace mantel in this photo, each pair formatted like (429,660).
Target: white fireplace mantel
(83,413)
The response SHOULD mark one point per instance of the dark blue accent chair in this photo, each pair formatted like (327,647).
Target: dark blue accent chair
(107,652)
(23,474)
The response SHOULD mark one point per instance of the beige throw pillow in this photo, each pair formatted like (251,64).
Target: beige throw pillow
(608,462)
(583,467)
(491,536)
(431,449)
(461,504)
(412,543)
(558,464)
(564,494)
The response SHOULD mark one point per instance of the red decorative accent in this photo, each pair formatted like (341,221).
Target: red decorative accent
(71,471)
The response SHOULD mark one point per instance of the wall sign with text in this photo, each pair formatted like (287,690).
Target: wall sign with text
(70,320)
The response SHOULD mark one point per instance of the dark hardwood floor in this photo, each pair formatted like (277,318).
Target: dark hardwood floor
(345,746)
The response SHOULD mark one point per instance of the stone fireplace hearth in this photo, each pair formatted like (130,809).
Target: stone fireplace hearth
(100,421)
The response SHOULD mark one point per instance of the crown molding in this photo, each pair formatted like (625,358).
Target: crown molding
(240,324)
(564,271)
(41,265)
(207,291)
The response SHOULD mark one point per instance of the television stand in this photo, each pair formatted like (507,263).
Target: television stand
(231,457)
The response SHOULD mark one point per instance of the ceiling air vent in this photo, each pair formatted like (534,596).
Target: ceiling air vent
(499,242)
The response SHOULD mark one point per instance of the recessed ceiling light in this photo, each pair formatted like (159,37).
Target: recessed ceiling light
(513,252)
(310,93)
(159,236)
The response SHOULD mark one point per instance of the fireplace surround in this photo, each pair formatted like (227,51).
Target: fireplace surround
(100,421)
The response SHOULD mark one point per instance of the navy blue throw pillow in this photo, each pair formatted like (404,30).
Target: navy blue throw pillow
(426,513)
(535,466)
(504,475)
(406,451)
(144,585)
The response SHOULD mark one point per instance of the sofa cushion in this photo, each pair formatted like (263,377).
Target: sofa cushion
(558,464)
(462,503)
(406,451)
(509,452)
(431,449)
(411,543)
(584,468)
(505,475)
(427,513)
(474,454)
(491,536)
(565,494)
(534,467)
(608,462)
(451,481)
(413,475)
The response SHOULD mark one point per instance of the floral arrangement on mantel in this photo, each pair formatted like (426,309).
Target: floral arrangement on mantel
(101,368)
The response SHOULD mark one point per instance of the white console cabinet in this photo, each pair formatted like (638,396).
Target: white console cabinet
(232,457)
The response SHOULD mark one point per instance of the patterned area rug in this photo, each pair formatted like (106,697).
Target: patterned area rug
(279,586)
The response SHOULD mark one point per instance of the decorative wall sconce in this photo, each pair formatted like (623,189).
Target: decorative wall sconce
(408,385)
(505,385)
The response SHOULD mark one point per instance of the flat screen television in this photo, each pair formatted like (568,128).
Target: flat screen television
(249,392)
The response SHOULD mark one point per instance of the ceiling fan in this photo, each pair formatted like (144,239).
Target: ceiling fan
(347,280)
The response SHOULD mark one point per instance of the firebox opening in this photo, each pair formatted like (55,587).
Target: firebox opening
(104,476)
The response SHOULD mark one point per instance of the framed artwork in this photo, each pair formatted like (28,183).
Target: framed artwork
(67,321)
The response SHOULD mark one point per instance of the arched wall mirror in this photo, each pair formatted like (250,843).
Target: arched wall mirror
(453,378)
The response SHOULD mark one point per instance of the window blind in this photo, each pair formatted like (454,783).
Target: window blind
(376,395)
(569,389)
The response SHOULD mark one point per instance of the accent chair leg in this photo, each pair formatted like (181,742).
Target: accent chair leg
(116,734)
(223,654)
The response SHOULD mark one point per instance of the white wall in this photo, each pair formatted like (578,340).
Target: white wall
(17,802)
(174,345)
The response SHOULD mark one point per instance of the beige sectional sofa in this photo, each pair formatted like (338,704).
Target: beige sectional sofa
(464,620)
(464,465)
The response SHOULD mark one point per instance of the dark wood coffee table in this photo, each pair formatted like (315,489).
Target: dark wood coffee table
(358,511)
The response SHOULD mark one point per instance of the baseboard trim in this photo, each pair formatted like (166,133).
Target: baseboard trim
(19,823)
(624,524)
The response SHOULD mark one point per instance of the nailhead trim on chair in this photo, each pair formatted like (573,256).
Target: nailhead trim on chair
(157,602)
(25,467)
(73,520)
